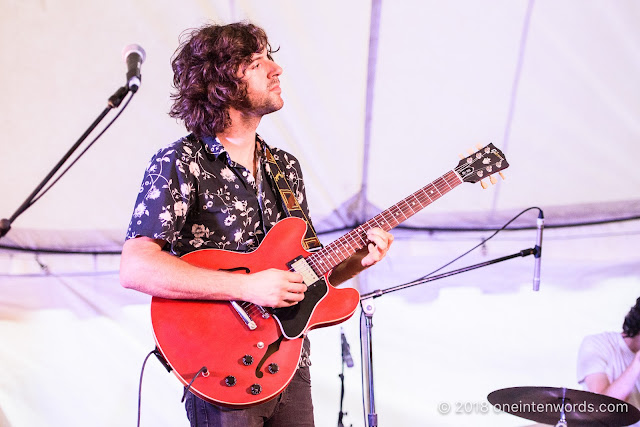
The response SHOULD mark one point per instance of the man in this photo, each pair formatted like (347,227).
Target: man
(609,362)
(212,189)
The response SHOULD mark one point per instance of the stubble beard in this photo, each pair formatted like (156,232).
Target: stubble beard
(263,103)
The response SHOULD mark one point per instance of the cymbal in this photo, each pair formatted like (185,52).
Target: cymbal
(581,408)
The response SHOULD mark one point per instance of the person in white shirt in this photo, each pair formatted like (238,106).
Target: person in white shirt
(609,362)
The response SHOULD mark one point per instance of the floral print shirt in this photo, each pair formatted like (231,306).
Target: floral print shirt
(195,197)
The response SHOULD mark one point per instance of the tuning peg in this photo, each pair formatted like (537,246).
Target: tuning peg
(484,185)
(479,146)
(493,179)
(502,175)
(462,156)
(471,150)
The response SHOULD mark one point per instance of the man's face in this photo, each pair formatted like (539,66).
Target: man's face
(261,78)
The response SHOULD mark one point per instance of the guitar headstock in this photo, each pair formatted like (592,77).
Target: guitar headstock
(483,163)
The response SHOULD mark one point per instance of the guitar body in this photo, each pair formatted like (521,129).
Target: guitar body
(195,334)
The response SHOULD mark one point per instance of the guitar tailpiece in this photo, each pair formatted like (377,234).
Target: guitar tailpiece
(204,372)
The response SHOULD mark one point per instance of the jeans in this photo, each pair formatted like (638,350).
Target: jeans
(292,407)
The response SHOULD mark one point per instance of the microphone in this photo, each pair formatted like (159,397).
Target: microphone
(134,55)
(346,353)
(538,252)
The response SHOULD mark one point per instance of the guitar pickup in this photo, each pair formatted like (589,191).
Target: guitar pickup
(300,265)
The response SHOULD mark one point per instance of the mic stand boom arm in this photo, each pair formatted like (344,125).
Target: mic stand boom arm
(368,309)
(113,102)
(378,293)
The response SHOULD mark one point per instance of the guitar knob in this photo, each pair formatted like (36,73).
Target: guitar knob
(255,389)
(247,359)
(230,381)
(273,368)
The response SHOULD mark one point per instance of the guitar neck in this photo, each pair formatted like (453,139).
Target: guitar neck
(342,248)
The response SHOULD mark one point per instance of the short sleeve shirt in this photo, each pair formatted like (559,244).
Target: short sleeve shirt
(606,353)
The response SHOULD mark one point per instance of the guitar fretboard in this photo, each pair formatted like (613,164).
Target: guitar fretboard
(342,248)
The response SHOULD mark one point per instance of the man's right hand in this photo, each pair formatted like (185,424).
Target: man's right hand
(274,288)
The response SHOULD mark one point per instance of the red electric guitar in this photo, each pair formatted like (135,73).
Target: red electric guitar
(239,354)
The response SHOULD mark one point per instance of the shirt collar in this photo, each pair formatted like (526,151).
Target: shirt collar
(215,147)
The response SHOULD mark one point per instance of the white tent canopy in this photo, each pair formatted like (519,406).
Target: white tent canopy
(380,98)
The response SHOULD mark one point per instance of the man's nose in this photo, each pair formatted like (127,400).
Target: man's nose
(276,70)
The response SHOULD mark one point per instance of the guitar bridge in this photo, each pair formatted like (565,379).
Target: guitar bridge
(263,312)
(244,316)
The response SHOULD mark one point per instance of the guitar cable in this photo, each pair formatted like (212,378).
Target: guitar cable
(140,384)
(203,371)
(478,245)
(73,162)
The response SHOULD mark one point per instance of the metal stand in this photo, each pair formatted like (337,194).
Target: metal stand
(341,414)
(346,360)
(368,309)
(562,422)
(113,102)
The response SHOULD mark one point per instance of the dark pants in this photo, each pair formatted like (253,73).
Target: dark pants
(292,407)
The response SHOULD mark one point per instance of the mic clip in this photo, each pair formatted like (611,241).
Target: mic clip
(116,99)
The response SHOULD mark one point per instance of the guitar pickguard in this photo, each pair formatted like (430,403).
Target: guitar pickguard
(293,320)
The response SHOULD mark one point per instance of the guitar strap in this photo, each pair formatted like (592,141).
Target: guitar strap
(289,201)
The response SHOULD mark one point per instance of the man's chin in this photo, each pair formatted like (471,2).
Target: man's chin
(268,106)
(273,107)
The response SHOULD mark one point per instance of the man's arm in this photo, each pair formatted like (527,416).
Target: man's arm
(380,241)
(145,267)
(621,387)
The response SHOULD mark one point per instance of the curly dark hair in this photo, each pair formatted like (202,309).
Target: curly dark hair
(205,74)
(631,325)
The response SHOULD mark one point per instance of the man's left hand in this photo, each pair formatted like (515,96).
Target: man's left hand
(379,243)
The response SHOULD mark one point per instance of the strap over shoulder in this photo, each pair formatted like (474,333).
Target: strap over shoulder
(289,201)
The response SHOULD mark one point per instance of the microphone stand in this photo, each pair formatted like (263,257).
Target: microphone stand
(341,414)
(113,102)
(368,309)
(346,360)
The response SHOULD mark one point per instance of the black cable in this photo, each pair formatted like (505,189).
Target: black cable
(479,244)
(59,251)
(68,274)
(343,229)
(46,189)
(202,371)
(140,385)
(475,229)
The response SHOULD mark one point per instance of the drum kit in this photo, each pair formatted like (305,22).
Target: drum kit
(564,407)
